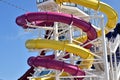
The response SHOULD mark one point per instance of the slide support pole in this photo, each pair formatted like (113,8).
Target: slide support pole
(55,35)
(104,50)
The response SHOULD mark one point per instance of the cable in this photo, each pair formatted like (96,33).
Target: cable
(13,5)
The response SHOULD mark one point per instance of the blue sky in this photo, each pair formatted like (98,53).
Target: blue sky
(13,59)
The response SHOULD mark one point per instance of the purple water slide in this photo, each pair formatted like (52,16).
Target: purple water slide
(35,17)
(55,64)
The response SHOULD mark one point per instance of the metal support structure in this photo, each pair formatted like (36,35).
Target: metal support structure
(112,75)
(70,41)
(40,27)
(90,74)
(114,67)
(55,33)
(55,36)
(106,67)
(118,67)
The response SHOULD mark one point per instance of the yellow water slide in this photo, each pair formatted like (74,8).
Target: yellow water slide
(100,6)
(58,45)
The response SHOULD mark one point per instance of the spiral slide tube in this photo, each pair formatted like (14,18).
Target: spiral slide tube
(100,6)
(97,5)
(57,17)
(58,65)
(57,45)
(110,21)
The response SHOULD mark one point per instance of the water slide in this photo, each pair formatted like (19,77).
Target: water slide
(56,45)
(100,6)
(57,17)
(57,65)
(111,14)
(97,5)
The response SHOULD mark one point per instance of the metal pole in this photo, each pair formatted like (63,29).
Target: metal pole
(115,66)
(70,40)
(112,69)
(55,36)
(118,71)
(104,50)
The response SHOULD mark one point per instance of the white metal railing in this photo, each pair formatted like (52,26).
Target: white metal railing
(115,66)
(114,45)
(118,71)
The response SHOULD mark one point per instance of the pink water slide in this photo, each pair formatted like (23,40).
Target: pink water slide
(37,18)
(57,65)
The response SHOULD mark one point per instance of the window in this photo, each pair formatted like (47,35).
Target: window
(42,73)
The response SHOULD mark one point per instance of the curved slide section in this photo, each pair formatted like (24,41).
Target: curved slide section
(48,16)
(64,18)
(58,65)
(57,17)
(97,5)
(57,45)
(64,46)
